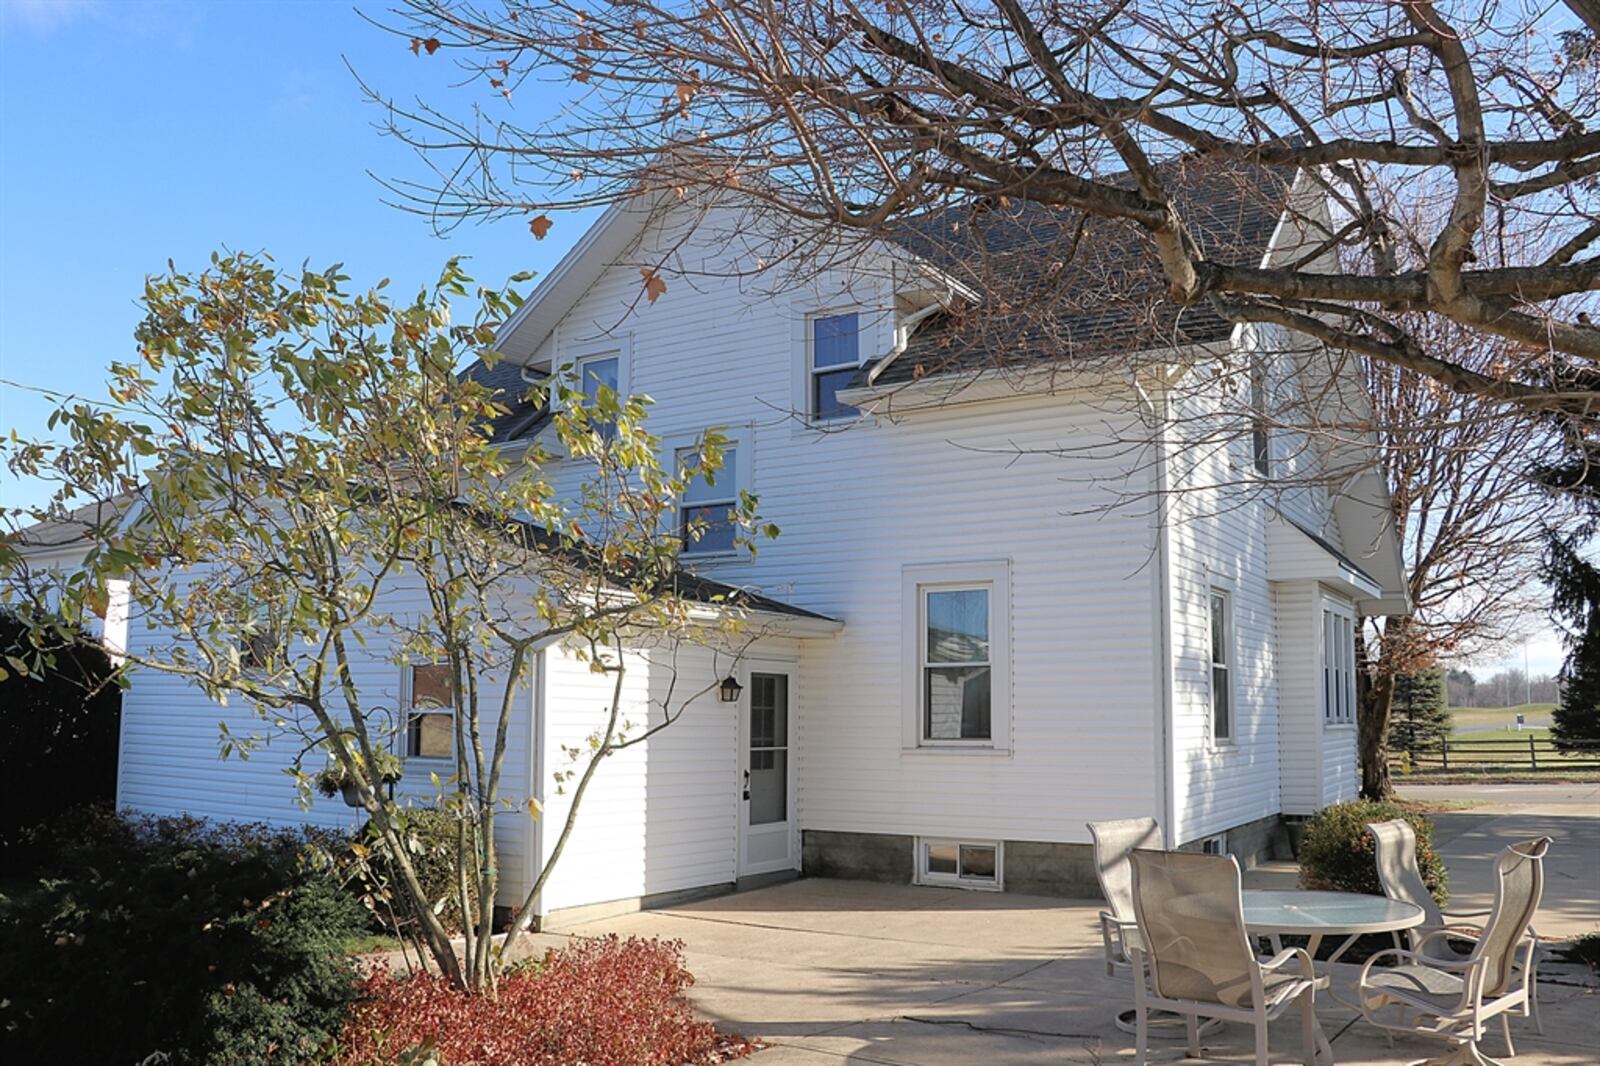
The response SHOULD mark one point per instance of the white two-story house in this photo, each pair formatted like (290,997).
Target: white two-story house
(1010,596)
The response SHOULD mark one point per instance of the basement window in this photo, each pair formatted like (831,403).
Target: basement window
(959,863)
(1217,845)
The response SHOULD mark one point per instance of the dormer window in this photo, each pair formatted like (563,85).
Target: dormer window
(835,355)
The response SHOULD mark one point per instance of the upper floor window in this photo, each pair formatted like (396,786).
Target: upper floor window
(593,372)
(1260,434)
(1338,665)
(1221,665)
(835,355)
(705,513)
(430,720)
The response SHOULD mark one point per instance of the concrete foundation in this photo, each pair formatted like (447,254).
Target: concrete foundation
(886,857)
(1032,867)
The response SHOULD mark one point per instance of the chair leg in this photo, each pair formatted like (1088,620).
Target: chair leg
(1505,1027)
(1141,1029)
(1262,1059)
(1191,1025)
(1532,1005)
(1308,1028)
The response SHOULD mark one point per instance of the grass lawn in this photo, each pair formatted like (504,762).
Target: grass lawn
(1481,721)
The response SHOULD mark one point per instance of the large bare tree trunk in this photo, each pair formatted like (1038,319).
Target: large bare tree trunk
(1375,698)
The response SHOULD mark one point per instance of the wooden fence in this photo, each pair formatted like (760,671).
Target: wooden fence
(1525,755)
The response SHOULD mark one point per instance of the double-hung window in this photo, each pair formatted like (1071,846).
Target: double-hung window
(957,674)
(705,513)
(835,355)
(430,718)
(1221,665)
(957,693)
(593,373)
(1338,665)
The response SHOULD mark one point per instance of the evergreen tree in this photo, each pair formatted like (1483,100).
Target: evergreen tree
(1419,717)
(1576,604)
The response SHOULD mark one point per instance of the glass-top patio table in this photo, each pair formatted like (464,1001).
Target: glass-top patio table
(1276,913)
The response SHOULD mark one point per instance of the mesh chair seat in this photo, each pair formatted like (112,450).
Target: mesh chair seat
(1422,986)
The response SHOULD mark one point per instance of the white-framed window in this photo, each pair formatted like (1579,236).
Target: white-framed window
(705,511)
(1215,845)
(593,372)
(1260,431)
(833,355)
(430,718)
(1221,656)
(958,657)
(961,863)
(1338,664)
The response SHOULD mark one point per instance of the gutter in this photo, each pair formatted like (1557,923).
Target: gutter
(905,329)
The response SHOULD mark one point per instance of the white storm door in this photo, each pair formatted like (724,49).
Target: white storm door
(766,773)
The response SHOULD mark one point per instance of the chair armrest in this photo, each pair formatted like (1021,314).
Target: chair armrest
(1288,955)
(1114,935)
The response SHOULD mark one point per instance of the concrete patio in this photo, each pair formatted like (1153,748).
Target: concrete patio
(829,972)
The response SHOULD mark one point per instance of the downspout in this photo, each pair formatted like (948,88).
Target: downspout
(1167,746)
(536,785)
(903,333)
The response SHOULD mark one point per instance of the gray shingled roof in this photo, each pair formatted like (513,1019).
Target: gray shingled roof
(522,418)
(1055,285)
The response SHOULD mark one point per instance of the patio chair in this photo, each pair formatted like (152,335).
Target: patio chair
(1395,849)
(1197,957)
(1114,842)
(1454,1000)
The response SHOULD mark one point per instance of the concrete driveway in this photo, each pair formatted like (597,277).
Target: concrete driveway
(832,972)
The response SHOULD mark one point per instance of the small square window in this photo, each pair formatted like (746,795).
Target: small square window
(1216,845)
(958,863)
(430,725)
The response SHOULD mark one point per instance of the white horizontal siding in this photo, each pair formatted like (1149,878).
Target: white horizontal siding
(660,816)
(1218,540)
(170,761)
(964,483)
(1300,693)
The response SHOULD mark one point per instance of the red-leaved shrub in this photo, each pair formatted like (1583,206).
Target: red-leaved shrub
(601,1002)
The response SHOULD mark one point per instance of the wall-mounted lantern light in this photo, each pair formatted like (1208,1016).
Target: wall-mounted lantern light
(730,689)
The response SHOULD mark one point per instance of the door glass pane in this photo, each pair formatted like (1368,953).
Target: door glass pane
(958,626)
(956,702)
(769,741)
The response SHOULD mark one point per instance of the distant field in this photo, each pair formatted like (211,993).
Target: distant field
(1490,719)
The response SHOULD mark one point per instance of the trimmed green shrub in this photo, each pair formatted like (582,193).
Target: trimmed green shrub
(431,837)
(209,943)
(1336,852)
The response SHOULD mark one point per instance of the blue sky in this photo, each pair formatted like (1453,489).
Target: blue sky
(134,131)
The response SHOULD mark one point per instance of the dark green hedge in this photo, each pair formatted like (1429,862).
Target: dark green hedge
(58,738)
(218,944)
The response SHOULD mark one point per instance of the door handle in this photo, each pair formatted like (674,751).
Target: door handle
(747,784)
